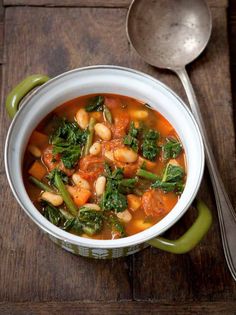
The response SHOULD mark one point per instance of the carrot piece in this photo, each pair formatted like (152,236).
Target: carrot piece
(79,195)
(37,170)
(134,202)
(38,138)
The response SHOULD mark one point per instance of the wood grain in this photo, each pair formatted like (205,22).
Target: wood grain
(53,40)
(91,3)
(121,308)
(232,41)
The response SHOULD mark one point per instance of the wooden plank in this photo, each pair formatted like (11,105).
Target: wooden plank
(32,267)
(91,3)
(128,308)
(1,30)
(201,274)
(232,43)
(97,36)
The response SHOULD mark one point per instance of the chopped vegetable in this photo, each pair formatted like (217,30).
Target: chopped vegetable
(172,179)
(134,202)
(89,140)
(68,140)
(112,200)
(58,180)
(173,173)
(171,149)
(37,170)
(148,175)
(149,146)
(51,176)
(95,104)
(116,225)
(80,195)
(40,184)
(131,138)
(107,114)
(88,221)
(51,213)
(91,220)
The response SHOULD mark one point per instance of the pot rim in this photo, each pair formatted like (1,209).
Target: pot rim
(135,239)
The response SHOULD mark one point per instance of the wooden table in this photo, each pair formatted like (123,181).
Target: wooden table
(37,277)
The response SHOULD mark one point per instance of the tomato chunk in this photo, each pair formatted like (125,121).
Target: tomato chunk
(153,203)
(53,161)
(91,167)
(121,125)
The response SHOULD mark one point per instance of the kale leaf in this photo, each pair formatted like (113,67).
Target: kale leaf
(117,187)
(171,149)
(168,187)
(131,138)
(68,140)
(116,225)
(89,221)
(173,173)
(51,213)
(172,179)
(149,146)
(51,176)
(95,104)
(112,200)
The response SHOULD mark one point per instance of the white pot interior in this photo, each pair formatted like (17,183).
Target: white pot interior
(104,79)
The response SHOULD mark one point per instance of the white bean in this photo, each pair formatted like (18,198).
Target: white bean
(100,185)
(125,155)
(92,206)
(139,114)
(95,149)
(124,216)
(102,131)
(54,199)
(35,151)
(82,118)
(80,181)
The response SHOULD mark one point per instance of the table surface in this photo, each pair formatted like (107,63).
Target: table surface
(36,276)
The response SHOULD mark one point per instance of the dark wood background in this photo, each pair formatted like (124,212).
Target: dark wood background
(37,277)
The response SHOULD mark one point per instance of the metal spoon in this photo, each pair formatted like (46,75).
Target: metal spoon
(170,34)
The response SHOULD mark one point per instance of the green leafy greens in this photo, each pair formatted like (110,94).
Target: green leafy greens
(68,140)
(149,146)
(131,138)
(88,221)
(172,179)
(114,198)
(171,149)
(51,176)
(51,213)
(116,225)
(95,104)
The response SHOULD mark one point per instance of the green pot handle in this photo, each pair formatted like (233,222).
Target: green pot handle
(21,90)
(191,238)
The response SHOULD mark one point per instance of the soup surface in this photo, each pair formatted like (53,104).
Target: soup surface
(104,166)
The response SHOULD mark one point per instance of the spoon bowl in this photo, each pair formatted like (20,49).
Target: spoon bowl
(169,34)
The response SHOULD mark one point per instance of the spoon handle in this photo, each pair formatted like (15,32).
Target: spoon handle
(226,214)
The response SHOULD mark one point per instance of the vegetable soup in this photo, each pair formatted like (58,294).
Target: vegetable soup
(104,166)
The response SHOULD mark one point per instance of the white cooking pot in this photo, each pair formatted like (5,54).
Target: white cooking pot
(117,80)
